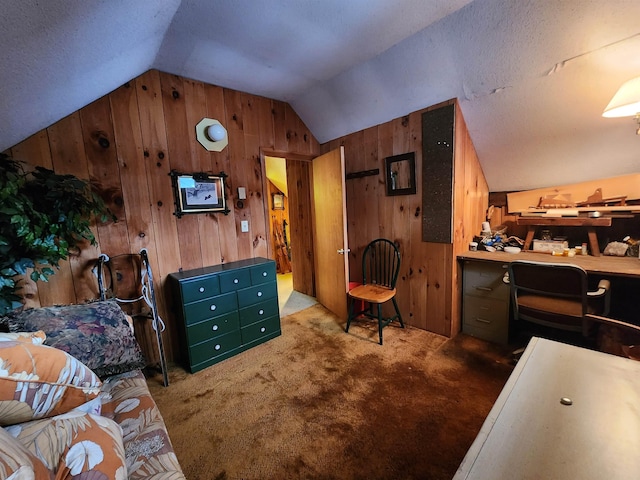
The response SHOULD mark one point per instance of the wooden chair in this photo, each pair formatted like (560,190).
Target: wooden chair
(556,295)
(617,336)
(380,268)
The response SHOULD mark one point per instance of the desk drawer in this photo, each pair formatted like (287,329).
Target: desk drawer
(485,279)
(259,311)
(210,308)
(214,327)
(265,328)
(200,288)
(259,293)
(263,273)
(234,280)
(215,347)
(486,318)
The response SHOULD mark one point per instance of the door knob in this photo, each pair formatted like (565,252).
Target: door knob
(342,251)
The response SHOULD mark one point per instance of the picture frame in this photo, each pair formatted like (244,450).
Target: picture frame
(199,192)
(401,174)
(277,201)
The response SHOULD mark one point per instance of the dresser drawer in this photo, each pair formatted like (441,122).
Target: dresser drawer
(263,273)
(485,279)
(232,281)
(265,328)
(215,347)
(214,327)
(200,288)
(259,311)
(486,318)
(259,293)
(209,308)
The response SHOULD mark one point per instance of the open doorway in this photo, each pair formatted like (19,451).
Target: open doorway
(284,238)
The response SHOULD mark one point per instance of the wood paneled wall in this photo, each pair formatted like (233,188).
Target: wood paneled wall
(128,141)
(428,286)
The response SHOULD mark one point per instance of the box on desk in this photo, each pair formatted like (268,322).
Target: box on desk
(550,245)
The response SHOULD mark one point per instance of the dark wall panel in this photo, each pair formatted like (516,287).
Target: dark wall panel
(437,175)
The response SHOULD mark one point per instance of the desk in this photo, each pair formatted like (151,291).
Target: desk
(618,266)
(529,434)
(485,297)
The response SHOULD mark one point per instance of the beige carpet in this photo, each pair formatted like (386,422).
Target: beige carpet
(317,403)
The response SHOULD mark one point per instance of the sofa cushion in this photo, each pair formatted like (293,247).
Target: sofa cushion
(149,454)
(18,462)
(75,445)
(37,381)
(37,338)
(98,334)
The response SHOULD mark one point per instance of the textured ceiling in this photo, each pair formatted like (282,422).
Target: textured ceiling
(532,76)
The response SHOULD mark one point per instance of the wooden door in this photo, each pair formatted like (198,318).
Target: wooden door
(330,231)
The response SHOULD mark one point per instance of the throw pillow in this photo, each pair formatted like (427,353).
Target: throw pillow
(18,462)
(75,445)
(37,381)
(97,334)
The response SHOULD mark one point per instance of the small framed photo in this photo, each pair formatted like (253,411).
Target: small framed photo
(278,201)
(198,193)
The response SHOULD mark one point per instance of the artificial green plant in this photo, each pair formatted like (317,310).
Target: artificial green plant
(43,216)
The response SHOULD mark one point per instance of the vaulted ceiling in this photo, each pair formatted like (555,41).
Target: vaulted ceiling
(532,76)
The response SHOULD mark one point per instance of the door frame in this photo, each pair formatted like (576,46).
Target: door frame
(302,157)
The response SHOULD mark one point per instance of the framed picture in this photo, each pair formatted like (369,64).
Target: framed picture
(278,201)
(198,193)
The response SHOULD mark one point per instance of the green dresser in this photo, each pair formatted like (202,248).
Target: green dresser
(225,309)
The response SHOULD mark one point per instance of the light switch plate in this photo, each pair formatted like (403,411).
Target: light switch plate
(244,225)
(242,193)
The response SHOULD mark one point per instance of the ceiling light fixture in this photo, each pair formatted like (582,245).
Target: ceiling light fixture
(626,102)
(211,135)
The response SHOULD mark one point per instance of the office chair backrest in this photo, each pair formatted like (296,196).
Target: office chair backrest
(556,279)
(549,293)
(381,263)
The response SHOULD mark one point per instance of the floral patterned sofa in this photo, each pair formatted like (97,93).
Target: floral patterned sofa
(74,402)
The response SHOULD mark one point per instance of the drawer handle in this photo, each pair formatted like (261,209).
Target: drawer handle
(484,289)
(212,308)
(264,274)
(482,320)
(217,347)
(259,294)
(201,289)
(214,328)
(235,280)
(263,329)
(261,312)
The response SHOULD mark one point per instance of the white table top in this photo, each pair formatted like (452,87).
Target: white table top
(530,434)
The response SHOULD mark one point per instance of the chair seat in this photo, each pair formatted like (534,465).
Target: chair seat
(562,311)
(372,293)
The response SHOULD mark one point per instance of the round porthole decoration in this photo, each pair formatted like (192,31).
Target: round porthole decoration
(211,135)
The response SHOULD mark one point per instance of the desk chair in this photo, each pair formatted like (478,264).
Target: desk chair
(380,268)
(556,295)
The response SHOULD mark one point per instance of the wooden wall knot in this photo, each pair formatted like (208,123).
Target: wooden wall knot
(417,212)
(175,94)
(405,120)
(103,142)
(146,153)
